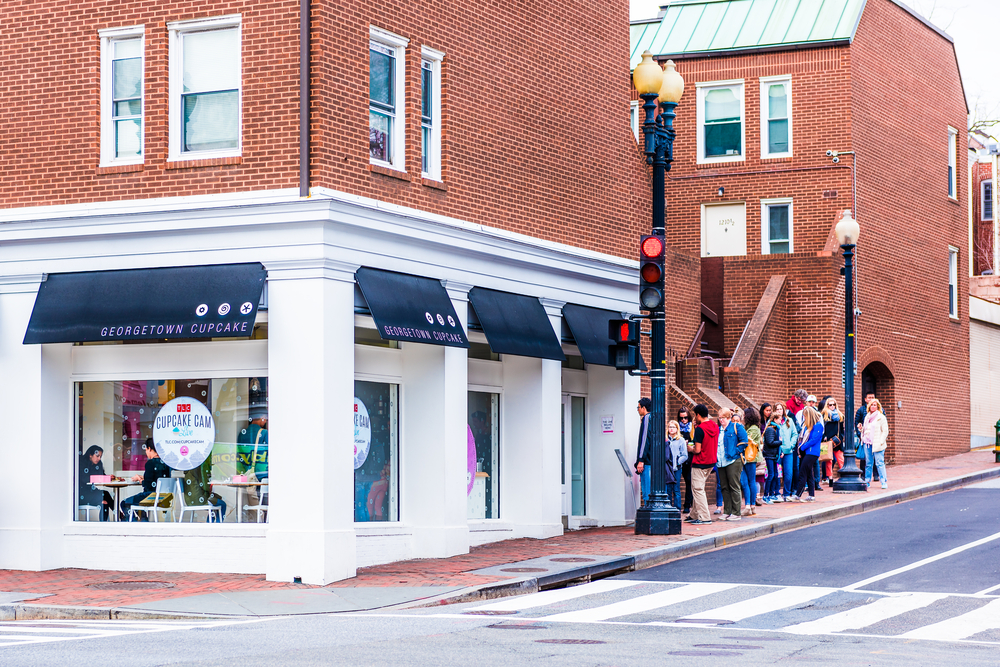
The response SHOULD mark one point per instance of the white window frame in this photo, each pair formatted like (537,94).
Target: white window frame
(953,281)
(634,111)
(398,44)
(953,162)
(702,89)
(108,37)
(982,200)
(436,60)
(765,224)
(765,83)
(176,31)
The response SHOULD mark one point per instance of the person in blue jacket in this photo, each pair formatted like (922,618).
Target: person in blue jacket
(812,428)
(732,442)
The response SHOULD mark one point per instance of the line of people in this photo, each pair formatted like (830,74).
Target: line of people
(782,453)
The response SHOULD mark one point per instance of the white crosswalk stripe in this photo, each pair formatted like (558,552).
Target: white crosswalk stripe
(544,598)
(640,604)
(765,604)
(870,614)
(979,620)
(20,633)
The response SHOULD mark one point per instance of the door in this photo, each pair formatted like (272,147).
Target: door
(574,452)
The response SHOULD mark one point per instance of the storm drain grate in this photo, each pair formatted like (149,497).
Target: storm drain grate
(524,569)
(569,641)
(572,560)
(487,612)
(131,585)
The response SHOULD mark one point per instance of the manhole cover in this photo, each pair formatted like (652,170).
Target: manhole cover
(517,626)
(572,560)
(487,612)
(131,585)
(569,641)
(700,653)
(728,647)
(704,621)
(757,639)
(524,569)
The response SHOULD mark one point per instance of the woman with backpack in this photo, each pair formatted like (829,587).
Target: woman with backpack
(772,457)
(751,422)
(812,436)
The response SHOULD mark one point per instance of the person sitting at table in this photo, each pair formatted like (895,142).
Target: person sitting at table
(251,454)
(155,469)
(90,464)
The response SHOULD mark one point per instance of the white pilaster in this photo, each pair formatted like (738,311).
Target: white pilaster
(611,393)
(310,429)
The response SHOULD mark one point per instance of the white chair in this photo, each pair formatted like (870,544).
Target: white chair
(260,509)
(88,509)
(208,507)
(164,485)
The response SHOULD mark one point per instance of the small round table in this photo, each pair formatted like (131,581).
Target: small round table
(116,487)
(239,486)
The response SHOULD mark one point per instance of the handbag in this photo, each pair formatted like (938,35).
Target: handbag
(750,453)
(826,451)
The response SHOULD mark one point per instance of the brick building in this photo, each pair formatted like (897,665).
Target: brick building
(755,191)
(177,235)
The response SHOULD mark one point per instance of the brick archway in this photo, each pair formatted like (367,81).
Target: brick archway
(876,353)
(878,367)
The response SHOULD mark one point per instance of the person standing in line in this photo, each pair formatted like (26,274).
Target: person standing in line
(642,451)
(812,424)
(732,443)
(677,455)
(748,485)
(687,432)
(859,422)
(833,434)
(704,454)
(772,456)
(794,405)
(876,433)
(787,454)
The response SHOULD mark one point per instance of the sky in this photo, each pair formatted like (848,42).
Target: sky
(966,21)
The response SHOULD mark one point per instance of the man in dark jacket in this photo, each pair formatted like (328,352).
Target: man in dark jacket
(642,453)
(155,469)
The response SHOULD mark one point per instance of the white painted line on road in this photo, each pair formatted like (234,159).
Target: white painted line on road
(640,604)
(965,625)
(860,617)
(763,604)
(921,563)
(987,591)
(553,597)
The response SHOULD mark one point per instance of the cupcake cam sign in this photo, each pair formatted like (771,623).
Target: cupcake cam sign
(362,433)
(184,433)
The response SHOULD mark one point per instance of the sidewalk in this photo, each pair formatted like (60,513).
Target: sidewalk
(494,570)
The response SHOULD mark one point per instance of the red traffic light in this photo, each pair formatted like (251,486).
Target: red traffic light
(651,246)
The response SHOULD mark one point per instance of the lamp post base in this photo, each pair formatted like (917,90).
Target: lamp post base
(849,479)
(658,517)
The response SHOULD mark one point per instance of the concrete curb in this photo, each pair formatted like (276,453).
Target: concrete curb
(37,612)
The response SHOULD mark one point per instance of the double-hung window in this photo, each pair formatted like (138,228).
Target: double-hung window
(776,117)
(386,118)
(430,112)
(952,281)
(952,163)
(633,118)
(776,226)
(121,95)
(720,121)
(986,200)
(205,88)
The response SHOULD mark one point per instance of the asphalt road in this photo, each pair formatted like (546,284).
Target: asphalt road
(814,596)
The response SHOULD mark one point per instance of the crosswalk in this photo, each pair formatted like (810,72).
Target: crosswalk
(798,610)
(19,633)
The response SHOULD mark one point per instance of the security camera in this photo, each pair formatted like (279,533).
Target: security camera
(836,160)
(829,153)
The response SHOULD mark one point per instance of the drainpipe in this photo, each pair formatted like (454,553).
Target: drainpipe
(304,69)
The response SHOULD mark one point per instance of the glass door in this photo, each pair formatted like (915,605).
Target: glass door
(578,465)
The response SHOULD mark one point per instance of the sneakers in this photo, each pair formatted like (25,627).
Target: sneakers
(718,510)
(885,485)
(733,517)
(700,522)
(769,500)
(778,499)
(809,499)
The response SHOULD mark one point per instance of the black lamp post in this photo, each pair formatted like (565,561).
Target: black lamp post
(658,516)
(849,479)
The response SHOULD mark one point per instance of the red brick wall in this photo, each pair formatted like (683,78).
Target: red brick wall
(900,117)
(521,151)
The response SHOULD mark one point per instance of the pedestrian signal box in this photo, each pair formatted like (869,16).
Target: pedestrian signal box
(623,354)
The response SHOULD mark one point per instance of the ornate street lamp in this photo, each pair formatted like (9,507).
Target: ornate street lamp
(658,516)
(849,479)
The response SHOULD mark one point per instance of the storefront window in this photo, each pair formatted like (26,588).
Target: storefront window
(484,455)
(376,456)
(172,450)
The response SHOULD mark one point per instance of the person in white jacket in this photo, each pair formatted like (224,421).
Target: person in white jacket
(875,433)
(677,454)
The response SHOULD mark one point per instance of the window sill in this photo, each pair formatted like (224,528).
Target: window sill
(120,168)
(205,162)
(787,157)
(431,183)
(955,318)
(709,164)
(389,171)
(953,200)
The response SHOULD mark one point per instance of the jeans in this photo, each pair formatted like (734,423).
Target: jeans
(878,459)
(674,493)
(772,486)
(688,496)
(808,477)
(126,504)
(644,484)
(731,488)
(864,455)
(718,488)
(748,483)
(787,470)
(796,468)
(222,507)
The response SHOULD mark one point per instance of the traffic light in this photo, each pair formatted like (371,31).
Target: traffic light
(623,354)
(651,272)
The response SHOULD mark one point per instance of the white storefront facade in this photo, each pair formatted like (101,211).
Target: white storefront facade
(455,446)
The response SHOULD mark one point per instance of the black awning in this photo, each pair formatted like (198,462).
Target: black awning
(411,308)
(590,329)
(216,301)
(515,324)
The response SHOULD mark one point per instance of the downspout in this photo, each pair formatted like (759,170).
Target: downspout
(304,71)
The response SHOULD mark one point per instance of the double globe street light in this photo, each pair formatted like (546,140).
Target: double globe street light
(658,516)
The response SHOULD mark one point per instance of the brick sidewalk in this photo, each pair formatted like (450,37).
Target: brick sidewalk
(73,587)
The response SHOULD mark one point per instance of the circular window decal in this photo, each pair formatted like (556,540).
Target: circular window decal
(184,433)
(362,433)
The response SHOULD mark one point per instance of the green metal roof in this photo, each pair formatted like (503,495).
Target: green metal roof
(711,26)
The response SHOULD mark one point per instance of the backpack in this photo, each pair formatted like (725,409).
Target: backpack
(753,448)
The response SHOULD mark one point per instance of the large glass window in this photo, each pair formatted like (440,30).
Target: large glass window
(776,135)
(484,455)
(952,162)
(720,116)
(122,95)
(195,449)
(376,455)
(382,101)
